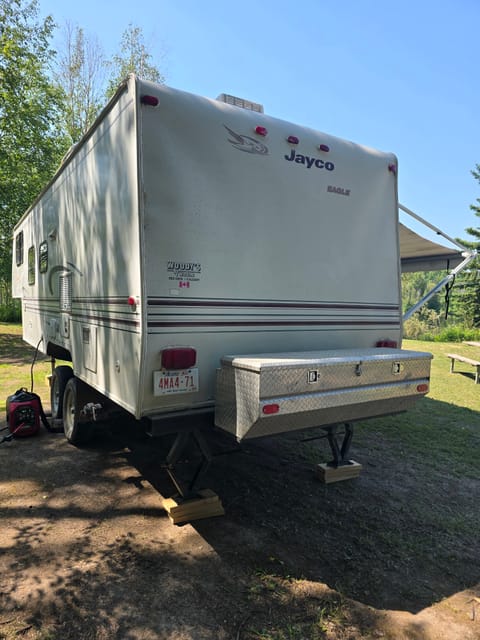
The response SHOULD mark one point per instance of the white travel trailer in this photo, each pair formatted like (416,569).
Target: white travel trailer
(192,257)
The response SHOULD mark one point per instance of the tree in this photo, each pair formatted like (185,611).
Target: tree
(80,76)
(415,285)
(468,303)
(133,58)
(31,142)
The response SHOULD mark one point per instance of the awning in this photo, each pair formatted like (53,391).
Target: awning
(419,254)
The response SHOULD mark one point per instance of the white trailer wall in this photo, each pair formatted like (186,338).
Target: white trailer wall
(88,216)
(248,251)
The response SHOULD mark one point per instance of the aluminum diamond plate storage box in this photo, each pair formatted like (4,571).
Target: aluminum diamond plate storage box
(264,394)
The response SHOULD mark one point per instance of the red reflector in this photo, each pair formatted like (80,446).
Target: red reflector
(150,100)
(132,301)
(261,131)
(179,358)
(391,344)
(422,388)
(293,140)
(324,147)
(268,409)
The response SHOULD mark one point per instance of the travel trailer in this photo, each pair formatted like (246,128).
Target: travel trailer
(199,261)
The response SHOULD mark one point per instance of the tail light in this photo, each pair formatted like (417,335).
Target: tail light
(391,344)
(178,358)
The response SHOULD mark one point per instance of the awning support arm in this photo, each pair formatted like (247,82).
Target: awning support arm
(468,254)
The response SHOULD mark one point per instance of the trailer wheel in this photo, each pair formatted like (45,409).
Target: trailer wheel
(76,432)
(61,375)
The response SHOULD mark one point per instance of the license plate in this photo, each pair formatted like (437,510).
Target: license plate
(165,382)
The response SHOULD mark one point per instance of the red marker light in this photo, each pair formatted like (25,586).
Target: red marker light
(152,101)
(422,388)
(261,131)
(132,301)
(269,409)
(293,140)
(324,147)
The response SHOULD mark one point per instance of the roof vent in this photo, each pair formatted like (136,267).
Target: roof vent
(240,102)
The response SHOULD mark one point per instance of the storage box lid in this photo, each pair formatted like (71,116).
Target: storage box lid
(326,357)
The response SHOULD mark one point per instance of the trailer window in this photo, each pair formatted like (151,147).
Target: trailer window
(43,257)
(31,265)
(19,249)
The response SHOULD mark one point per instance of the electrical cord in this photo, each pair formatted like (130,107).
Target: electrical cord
(33,363)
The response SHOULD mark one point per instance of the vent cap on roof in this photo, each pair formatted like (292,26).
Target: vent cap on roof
(240,102)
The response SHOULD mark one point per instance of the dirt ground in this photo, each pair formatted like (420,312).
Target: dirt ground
(87,551)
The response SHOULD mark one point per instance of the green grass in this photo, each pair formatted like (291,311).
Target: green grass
(293,621)
(16,358)
(443,430)
(457,389)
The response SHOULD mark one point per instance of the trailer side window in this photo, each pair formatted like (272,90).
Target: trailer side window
(31,265)
(43,257)
(19,249)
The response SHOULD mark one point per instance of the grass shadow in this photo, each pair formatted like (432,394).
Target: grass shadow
(13,350)
(402,536)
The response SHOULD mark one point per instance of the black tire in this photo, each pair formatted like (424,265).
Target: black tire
(61,375)
(76,432)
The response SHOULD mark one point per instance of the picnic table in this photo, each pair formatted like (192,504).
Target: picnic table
(466,360)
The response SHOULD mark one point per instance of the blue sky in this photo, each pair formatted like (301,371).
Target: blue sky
(396,76)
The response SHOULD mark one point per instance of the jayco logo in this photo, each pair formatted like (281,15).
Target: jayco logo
(309,162)
(251,145)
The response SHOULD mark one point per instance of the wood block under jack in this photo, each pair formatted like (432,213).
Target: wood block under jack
(329,474)
(207,504)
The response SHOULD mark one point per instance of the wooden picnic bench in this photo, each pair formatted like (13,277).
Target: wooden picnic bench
(473,363)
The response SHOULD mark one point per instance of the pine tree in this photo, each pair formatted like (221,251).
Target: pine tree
(469,285)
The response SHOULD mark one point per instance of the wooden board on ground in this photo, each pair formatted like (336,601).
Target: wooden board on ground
(330,474)
(207,504)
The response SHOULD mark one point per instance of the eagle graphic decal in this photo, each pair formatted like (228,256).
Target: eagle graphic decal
(245,143)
